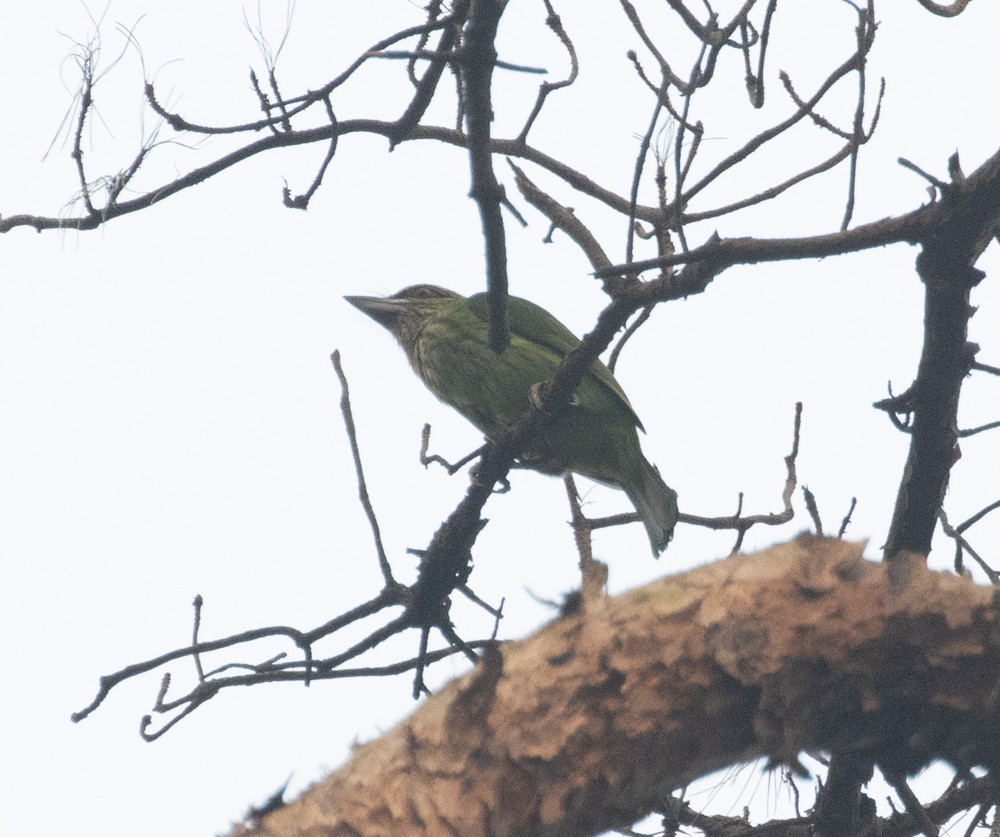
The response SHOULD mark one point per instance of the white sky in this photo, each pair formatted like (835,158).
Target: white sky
(171,424)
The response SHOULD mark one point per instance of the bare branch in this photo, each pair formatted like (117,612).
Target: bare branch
(366,503)
(778,129)
(979,515)
(815,679)
(427,459)
(813,510)
(771,192)
(302,201)
(562,218)
(665,69)
(972,431)
(433,9)
(982,367)
(632,329)
(969,216)
(742,524)
(962,547)
(847,518)
(554,22)
(954,9)
(755,80)
(300,670)
(640,162)
(477,73)
(432,75)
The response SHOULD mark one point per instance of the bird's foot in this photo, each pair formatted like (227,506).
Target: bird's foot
(502,486)
(537,393)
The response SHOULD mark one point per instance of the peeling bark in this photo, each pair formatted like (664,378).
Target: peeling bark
(589,723)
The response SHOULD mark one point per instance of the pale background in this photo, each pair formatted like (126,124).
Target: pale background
(170,421)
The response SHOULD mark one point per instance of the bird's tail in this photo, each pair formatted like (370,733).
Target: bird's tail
(656,503)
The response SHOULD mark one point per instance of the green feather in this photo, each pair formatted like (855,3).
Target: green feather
(446,338)
(538,326)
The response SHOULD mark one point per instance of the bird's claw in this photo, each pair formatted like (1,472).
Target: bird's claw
(537,393)
(503,485)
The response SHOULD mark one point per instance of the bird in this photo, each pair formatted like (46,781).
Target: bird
(446,339)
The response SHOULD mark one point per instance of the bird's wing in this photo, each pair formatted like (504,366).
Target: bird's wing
(536,324)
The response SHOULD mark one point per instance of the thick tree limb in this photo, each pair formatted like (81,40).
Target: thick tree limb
(588,724)
(968,218)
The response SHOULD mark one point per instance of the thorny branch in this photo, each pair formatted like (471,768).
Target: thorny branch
(967,219)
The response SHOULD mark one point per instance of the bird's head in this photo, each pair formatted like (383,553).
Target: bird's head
(406,312)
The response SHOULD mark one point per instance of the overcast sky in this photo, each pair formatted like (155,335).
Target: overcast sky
(171,423)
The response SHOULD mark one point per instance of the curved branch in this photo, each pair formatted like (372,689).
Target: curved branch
(802,111)
(554,22)
(579,728)
(953,10)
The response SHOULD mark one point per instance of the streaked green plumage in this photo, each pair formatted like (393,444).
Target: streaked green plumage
(445,337)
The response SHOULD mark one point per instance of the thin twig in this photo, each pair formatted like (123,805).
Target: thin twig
(813,509)
(366,503)
(429,458)
(633,327)
(963,546)
(742,524)
(913,806)
(302,201)
(847,518)
(563,218)
(972,431)
(554,22)
(640,162)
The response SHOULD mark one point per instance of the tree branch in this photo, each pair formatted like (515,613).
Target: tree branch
(968,217)
(581,727)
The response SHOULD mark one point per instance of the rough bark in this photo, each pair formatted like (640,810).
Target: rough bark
(587,724)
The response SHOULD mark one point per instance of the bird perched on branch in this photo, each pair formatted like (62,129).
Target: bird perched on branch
(446,338)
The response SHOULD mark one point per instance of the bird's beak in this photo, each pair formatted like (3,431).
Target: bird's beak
(383,310)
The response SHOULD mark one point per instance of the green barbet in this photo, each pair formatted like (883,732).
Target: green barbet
(446,338)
